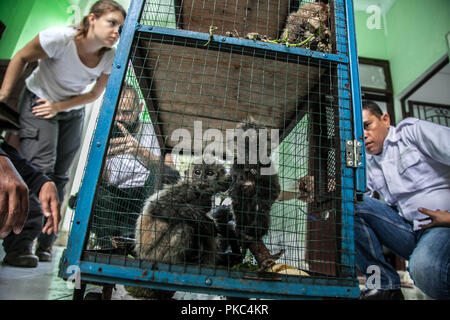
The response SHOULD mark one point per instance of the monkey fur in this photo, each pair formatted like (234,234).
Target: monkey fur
(174,226)
(311,20)
(253,195)
(229,249)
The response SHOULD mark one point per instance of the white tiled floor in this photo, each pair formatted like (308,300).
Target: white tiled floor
(43,283)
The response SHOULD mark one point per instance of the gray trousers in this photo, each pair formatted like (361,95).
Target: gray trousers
(50,145)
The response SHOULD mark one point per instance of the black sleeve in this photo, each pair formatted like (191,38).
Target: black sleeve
(32,176)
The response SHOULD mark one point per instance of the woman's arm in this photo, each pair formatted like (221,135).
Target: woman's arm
(31,52)
(48,109)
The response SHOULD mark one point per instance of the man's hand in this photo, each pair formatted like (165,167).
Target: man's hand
(123,145)
(306,189)
(438,217)
(13,199)
(48,196)
(45,109)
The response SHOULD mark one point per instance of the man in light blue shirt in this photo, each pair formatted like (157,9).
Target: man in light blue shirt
(409,166)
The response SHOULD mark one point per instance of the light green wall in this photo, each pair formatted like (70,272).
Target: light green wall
(416,38)
(24,19)
(44,14)
(411,37)
(13,14)
(370,43)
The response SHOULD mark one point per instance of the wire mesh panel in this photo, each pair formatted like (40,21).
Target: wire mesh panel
(222,170)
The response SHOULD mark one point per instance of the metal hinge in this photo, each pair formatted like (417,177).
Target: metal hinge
(353,153)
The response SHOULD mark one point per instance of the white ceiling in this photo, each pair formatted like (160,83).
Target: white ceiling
(362,5)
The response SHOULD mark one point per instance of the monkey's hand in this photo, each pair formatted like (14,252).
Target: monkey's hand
(262,255)
(270,261)
(306,189)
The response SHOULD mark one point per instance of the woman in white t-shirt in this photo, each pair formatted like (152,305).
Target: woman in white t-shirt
(52,103)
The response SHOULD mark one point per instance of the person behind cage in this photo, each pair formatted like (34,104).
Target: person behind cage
(52,103)
(131,168)
(409,166)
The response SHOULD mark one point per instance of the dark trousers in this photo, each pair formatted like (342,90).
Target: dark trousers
(50,145)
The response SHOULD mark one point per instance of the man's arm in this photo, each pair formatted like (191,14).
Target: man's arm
(38,183)
(13,198)
(32,177)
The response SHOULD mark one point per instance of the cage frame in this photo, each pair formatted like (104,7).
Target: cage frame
(353,178)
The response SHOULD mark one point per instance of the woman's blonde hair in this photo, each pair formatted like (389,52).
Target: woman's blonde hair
(98,9)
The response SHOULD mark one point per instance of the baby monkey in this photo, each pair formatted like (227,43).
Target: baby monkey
(253,191)
(174,226)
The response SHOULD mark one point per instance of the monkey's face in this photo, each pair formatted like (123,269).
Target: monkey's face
(246,178)
(206,176)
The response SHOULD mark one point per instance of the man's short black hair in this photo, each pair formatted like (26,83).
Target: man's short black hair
(372,107)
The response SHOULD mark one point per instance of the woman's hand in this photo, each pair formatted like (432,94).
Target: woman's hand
(45,109)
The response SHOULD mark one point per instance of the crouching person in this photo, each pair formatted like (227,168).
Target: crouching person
(409,166)
(22,187)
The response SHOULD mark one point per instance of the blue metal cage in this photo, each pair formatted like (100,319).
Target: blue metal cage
(307,94)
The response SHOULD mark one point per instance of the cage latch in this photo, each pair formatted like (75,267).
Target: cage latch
(353,153)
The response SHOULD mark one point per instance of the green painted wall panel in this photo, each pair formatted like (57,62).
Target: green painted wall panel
(14,15)
(44,14)
(411,37)
(24,19)
(371,42)
(416,38)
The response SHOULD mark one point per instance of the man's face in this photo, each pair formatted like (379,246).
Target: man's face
(128,112)
(375,131)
